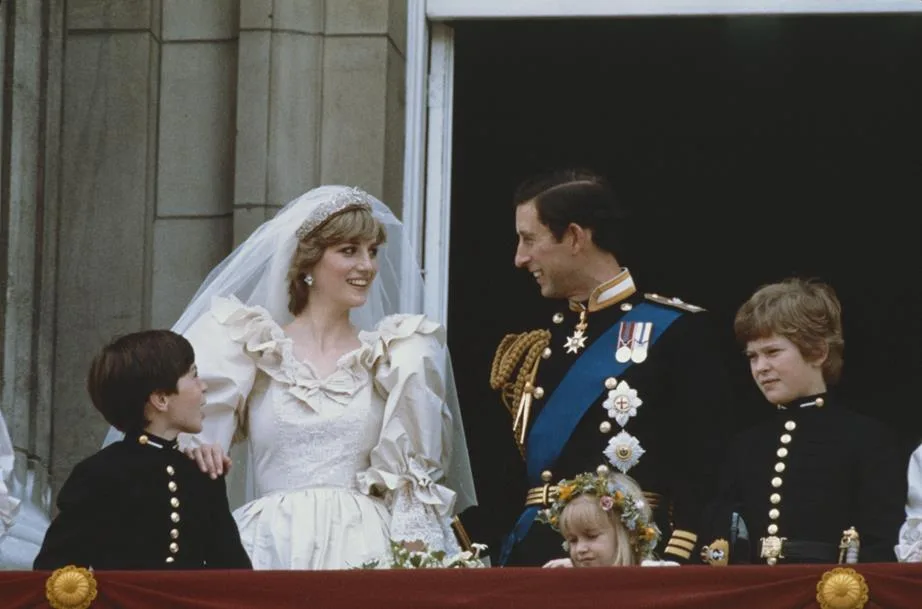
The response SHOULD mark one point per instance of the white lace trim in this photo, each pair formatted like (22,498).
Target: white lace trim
(413,520)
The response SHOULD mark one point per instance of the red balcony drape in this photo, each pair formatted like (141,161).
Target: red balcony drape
(891,586)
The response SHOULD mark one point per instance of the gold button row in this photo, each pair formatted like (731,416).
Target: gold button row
(174,516)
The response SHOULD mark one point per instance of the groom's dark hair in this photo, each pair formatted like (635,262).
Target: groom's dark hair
(581,197)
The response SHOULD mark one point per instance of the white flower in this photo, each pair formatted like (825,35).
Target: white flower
(623,451)
(622,403)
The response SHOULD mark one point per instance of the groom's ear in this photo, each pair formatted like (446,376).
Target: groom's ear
(577,237)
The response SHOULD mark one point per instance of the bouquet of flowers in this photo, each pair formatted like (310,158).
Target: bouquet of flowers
(417,556)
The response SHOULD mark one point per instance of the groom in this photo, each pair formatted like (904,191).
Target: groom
(618,380)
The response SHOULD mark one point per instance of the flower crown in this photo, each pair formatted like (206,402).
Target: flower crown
(349,198)
(612,496)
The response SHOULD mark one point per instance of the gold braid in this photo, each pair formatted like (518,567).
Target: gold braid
(515,366)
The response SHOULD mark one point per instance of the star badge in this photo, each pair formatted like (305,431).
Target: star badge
(576,342)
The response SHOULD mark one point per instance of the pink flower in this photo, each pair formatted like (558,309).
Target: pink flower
(607,503)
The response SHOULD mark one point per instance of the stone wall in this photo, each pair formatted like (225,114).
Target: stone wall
(143,139)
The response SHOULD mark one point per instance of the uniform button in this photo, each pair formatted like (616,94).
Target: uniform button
(820,402)
(142,439)
(774,513)
(626,306)
(602,470)
(546,475)
(772,561)
(170,470)
(782,452)
(174,547)
(605,427)
(558,318)
(174,533)
(779,467)
(174,502)
(790,425)
(539,392)
(776,481)
(772,529)
(169,559)
(546,354)
(172,486)
(174,517)
(611,382)
(786,438)
(775,498)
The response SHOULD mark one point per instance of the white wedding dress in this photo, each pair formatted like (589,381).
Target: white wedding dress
(339,465)
(909,545)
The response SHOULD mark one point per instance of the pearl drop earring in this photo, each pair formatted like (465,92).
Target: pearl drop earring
(309,280)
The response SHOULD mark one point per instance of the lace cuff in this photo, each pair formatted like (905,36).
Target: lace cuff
(909,547)
(412,520)
(416,481)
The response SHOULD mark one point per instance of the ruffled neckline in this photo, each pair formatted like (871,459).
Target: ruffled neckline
(273,351)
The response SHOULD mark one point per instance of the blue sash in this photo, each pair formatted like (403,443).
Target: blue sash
(577,392)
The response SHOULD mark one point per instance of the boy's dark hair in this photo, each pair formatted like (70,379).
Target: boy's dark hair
(578,196)
(132,367)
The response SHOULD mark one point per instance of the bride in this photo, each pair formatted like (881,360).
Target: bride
(348,417)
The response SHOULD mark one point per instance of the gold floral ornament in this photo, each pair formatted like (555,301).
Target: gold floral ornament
(70,587)
(842,588)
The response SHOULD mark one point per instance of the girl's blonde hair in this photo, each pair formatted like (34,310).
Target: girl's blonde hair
(585,512)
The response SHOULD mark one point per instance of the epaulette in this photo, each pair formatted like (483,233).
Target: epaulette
(674,302)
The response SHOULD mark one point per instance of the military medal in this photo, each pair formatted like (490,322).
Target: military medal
(578,340)
(625,339)
(642,333)
(622,403)
(623,451)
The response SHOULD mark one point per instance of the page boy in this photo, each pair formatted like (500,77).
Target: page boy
(140,503)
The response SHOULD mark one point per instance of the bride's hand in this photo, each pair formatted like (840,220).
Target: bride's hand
(211,459)
(558,562)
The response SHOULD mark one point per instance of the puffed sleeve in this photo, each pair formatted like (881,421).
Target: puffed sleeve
(410,457)
(9,506)
(909,545)
(223,339)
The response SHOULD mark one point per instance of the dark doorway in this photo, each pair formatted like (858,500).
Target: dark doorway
(754,149)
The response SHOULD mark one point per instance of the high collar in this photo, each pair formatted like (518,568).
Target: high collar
(606,294)
(817,401)
(148,439)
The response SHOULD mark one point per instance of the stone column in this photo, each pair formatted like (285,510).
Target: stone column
(32,50)
(364,96)
(109,147)
(279,95)
(196,117)
(321,99)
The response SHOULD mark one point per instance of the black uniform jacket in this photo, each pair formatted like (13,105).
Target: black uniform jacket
(684,388)
(142,504)
(810,473)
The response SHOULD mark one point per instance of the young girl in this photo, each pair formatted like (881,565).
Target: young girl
(604,521)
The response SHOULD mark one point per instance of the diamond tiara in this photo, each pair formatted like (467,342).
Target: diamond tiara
(350,198)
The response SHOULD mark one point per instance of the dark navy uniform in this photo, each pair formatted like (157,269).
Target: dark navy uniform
(802,479)
(142,504)
(672,435)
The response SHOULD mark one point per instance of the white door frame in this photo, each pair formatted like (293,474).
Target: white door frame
(430,82)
